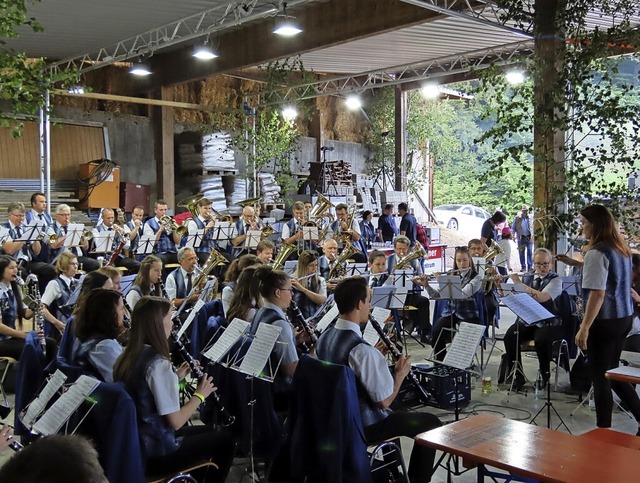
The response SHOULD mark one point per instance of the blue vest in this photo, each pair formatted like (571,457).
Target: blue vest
(9,311)
(81,356)
(165,242)
(157,437)
(181,289)
(239,251)
(463,309)
(335,345)
(324,267)
(114,243)
(207,240)
(617,299)
(306,306)
(25,252)
(133,247)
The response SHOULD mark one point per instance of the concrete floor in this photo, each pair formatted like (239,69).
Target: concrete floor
(517,406)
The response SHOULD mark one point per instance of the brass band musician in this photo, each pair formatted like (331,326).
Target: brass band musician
(166,238)
(204,221)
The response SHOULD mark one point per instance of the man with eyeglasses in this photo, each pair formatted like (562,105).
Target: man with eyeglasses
(545,286)
(60,228)
(26,253)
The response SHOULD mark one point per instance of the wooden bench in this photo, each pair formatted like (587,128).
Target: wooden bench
(614,437)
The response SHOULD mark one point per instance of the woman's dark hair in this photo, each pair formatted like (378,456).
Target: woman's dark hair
(5,261)
(498,217)
(238,265)
(146,328)
(142,279)
(349,292)
(365,215)
(270,280)
(304,260)
(245,295)
(90,281)
(604,229)
(98,316)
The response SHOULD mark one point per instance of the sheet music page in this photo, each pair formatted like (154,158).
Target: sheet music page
(41,224)
(327,318)
(253,238)
(630,371)
(380,314)
(258,353)
(74,233)
(103,241)
(381,296)
(479,263)
(146,244)
(195,240)
(464,346)
(570,285)
(63,408)
(36,406)
(225,230)
(29,233)
(229,337)
(398,299)
(192,315)
(370,335)
(309,233)
(290,266)
(357,269)
(526,307)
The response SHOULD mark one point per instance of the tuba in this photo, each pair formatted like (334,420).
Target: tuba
(417,253)
(321,208)
(285,252)
(191,203)
(494,249)
(249,202)
(336,270)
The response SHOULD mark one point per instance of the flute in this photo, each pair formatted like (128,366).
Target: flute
(227,418)
(423,395)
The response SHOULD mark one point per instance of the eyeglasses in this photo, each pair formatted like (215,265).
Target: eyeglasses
(538,264)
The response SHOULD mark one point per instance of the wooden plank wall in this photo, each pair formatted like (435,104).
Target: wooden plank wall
(71,145)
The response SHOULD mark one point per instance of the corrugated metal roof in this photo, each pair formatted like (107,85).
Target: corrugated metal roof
(433,40)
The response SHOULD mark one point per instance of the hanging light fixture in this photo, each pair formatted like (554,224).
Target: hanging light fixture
(289,113)
(353,102)
(430,90)
(286,25)
(204,51)
(515,77)
(140,68)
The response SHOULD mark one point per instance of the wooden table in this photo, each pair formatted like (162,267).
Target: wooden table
(628,374)
(530,451)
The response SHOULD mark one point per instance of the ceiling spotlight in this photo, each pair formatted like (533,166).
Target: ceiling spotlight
(515,77)
(289,113)
(430,90)
(140,69)
(353,102)
(286,25)
(204,52)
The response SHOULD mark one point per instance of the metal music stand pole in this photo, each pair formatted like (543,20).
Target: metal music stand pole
(549,406)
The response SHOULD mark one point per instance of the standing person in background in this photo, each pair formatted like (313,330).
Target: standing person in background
(608,313)
(387,228)
(367,229)
(488,231)
(408,223)
(503,260)
(522,227)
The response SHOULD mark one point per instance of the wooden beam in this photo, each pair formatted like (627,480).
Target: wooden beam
(142,100)
(162,118)
(325,24)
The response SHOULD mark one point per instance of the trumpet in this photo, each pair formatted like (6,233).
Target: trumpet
(86,235)
(170,225)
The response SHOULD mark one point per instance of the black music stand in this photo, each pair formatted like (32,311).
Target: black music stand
(449,289)
(548,405)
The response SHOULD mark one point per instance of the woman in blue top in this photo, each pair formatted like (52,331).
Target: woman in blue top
(13,311)
(608,310)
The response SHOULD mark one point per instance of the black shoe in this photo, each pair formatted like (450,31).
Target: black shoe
(519,383)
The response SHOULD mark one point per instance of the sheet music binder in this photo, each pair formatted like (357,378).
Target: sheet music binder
(103,241)
(252,240)
(194,241)
(146,245)
(389,297)
(464,346)
(447,287)
(223,231)
(527,308)
(29,234)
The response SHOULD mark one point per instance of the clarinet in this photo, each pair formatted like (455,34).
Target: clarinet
(227,418)
(32,283)
(302,322)
(127,319)
(422,392)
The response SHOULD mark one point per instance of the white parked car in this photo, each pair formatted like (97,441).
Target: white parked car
(465,218)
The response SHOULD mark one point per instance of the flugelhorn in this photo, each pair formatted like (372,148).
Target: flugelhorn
(417,253)
(285,252)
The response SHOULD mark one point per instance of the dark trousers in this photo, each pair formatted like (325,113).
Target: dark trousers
(130,264)
(199,445)
(88,264)
(543,338)
(420,318)
(441,337)
(603,351)
(410,424)
(13,348)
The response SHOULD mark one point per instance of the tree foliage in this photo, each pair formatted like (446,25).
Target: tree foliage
(23,81)
(588,99)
